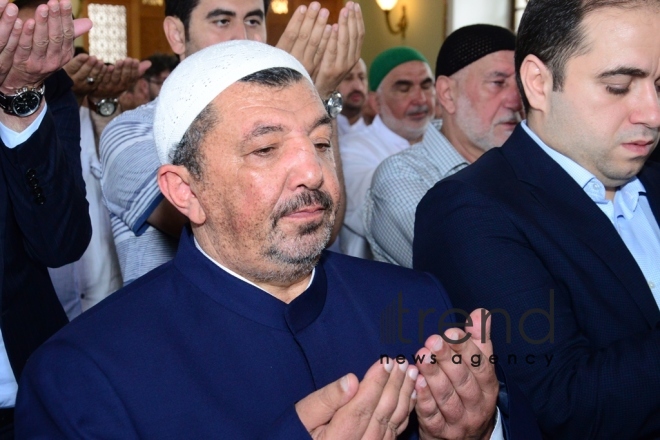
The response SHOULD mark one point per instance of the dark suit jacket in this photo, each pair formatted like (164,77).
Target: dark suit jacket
(655,156)
(515,232)
(190,351)
(44,222)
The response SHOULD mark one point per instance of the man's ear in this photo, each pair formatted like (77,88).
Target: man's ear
(175,33)
(374,101)
(445,90)
(537,81)
(175,184)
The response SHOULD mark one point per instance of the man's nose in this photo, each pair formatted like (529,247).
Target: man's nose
(239,32)
(647,108)
(359,85)
(418,96)
(305,166)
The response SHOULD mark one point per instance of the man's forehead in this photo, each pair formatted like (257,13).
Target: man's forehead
(415,71)
(359,67)
(621,38)
(298,95)
(496,64)
(236,6)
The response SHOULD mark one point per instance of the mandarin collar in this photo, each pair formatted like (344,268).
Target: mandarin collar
(246,299)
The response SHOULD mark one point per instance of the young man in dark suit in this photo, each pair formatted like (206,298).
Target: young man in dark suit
(557,232)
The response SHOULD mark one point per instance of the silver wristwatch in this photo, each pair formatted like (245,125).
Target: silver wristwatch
(24,102)
(333,104)
(105,107)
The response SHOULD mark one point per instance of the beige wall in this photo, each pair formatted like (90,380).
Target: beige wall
(466,12)
(426,28)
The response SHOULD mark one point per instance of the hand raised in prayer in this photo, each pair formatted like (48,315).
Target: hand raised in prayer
(10,31)
(44,46)
(376,408)
(457,400)
(342,51)
(306,35)
(85,71)
(120,77)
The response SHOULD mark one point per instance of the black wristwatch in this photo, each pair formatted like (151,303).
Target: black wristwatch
(333,104)
(24,102)
(105,107)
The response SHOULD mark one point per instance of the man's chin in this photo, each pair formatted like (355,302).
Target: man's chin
(302,247)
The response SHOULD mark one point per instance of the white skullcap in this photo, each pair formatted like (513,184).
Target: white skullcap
(198,79)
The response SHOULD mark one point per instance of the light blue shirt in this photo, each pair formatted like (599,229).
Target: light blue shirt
(129,162)
(630,213)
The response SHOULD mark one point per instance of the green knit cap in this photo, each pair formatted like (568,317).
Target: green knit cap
(388,60)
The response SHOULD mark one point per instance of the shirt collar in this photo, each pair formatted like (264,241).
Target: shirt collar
(386,134)
(440,151)
(345,125)
(234,274)
(244,298)
(627,196)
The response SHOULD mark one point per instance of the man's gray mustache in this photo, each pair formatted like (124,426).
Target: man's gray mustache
(308,198)
(418,109)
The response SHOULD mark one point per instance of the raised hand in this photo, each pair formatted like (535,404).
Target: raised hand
(120,77)
(10,31)
(305,35)
(457,400)
(85,71)
(377,408)
(342,50)
(45,45)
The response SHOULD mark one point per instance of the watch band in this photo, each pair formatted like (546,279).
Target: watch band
(25,102)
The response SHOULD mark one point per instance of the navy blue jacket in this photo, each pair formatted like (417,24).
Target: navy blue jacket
(189,351)
(514,232)
(44,222)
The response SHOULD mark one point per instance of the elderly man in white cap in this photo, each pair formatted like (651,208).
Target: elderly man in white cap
(146,227)
(253,331)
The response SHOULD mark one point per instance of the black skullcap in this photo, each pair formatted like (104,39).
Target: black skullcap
(468,44)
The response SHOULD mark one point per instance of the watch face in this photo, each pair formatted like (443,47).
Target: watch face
(26,103)
(335,104)
(106,108)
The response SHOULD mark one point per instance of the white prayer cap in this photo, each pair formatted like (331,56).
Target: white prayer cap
(198,79)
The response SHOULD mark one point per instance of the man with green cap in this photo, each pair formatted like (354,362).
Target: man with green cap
(404,96)
(480,106)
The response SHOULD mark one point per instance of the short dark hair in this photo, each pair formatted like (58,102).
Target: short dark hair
(552,30)
(188,154)
(160,63)
(21,4)
(183,8)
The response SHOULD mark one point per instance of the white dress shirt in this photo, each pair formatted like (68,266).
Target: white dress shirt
(361,153)
(84,283)
(629,212)
(344,127)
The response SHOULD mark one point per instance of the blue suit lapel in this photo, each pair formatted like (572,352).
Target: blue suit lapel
(569,205)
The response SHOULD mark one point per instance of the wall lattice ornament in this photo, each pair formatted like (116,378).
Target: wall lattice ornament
(107,39)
